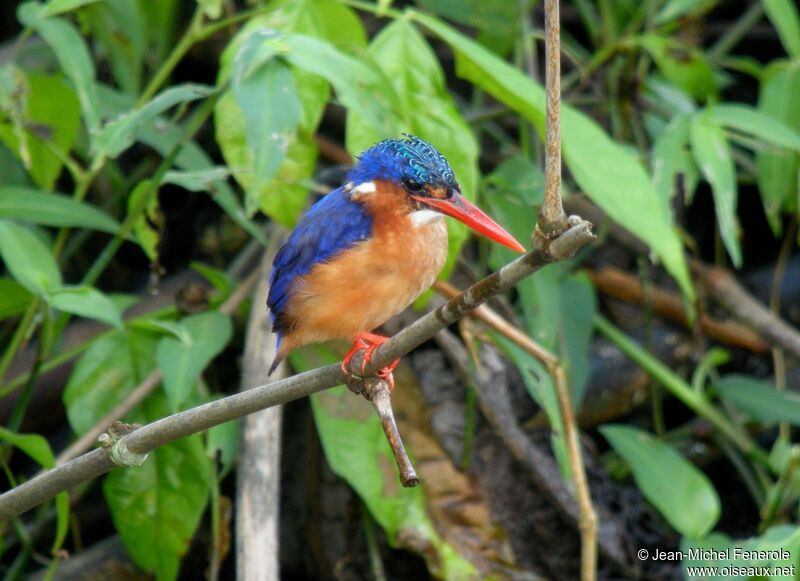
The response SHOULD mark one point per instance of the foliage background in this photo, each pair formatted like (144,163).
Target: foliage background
(142,145)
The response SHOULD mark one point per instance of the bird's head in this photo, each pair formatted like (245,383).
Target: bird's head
(426,181)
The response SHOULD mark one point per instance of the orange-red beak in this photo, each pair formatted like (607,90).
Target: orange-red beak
(462,209)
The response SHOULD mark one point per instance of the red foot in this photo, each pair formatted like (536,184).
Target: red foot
(369,342)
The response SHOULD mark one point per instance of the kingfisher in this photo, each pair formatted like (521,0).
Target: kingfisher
(365,251)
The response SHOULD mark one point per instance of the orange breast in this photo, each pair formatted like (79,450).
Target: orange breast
(364,286)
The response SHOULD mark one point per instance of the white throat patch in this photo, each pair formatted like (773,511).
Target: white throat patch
(365,188)
(424,217)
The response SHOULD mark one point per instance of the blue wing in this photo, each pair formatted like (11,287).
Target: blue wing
(332,225)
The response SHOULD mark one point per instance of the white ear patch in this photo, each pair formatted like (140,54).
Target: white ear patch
(365,188)
(424,217)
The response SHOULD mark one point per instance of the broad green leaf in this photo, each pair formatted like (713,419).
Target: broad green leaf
(48,117)
(358,82)
(39,450)
(777,170)
(760,399)
(681,493)
(498,18)
(119,134)
(143,202)
(356,450)
(427,110)
(609,174)
(156,507)
(713,155)
(38,207)
(271,111)
(785,18)
(682,65)
(14,298)
(513,193)
(285,196)
(105,374)
(72,55)
(182,363)
(671,158)
(756,123)
(56,7)
(578,306)
(86,302)
(28,259)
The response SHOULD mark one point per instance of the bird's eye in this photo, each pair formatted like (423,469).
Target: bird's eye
(412,186)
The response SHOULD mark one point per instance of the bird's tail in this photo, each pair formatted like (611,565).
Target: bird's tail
(279,356)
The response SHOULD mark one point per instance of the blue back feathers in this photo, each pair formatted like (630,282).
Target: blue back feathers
(396,159)
(332,225)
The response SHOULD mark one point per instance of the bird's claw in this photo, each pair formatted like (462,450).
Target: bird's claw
(369,342)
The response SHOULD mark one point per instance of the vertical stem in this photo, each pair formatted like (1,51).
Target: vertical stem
(587,522)
(552,219)
(775,306)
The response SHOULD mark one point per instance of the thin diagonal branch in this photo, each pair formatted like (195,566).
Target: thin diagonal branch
(198,419)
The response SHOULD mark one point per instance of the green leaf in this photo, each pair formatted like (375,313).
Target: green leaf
(38,207)
(218,278)
(285,196)
(39,450)
(72,55)
(212,8)
(162,136)
(14,298)
(356,450)
(156,507)
(143,202)
(682,65)
(671,157)
(118,135)
(44,114)
(271,111)
(756,123)
(182,363)
(105,374)
(760,399)
(359,83)
(56,7)
(427,110)
(609,174)
(785,18)
(713,155)
(222,443)
(28,259)
(674,9)
(199,180)
(681,493)
(776,541)
(121,31)
(778,169)
(86,302)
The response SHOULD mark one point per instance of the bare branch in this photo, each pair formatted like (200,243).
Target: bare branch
(552,219)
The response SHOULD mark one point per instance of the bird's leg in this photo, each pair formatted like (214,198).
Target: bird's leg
(369,342)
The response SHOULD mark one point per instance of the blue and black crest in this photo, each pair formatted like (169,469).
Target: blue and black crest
(401,159)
